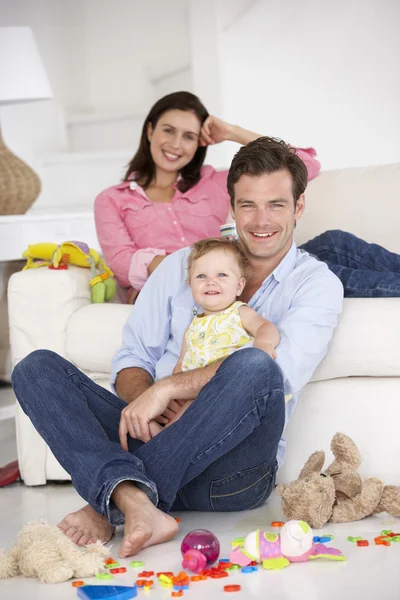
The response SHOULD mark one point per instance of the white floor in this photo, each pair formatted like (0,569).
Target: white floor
(369,573)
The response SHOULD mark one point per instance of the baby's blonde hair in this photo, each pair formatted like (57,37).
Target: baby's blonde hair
(206,246)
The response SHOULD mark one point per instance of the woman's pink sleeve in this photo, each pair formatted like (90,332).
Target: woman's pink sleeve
(118,247)
(138,269)
(313,165)
(307,155)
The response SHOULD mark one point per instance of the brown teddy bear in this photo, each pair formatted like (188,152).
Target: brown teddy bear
(339,494)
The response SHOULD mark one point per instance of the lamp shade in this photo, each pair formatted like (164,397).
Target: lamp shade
(22,74)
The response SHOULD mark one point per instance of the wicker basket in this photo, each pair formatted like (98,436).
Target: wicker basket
(19,184)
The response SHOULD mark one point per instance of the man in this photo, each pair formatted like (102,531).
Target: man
(222,454)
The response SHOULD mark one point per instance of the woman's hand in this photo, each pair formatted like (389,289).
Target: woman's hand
(214,131)
(132,295)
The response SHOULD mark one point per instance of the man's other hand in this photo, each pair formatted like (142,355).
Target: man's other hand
(135,417)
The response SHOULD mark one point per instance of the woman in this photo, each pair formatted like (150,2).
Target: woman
(168,199)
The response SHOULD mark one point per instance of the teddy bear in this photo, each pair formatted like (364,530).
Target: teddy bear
(45,552)
(339,494)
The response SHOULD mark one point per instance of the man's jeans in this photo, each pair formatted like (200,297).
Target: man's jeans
(365,270)
(219,456)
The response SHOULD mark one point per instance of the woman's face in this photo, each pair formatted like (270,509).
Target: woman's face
(174,140)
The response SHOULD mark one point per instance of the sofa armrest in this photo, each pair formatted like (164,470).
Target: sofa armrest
(40,303)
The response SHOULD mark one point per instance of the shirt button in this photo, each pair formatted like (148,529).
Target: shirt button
(175,223)
(169,208)
(182,239)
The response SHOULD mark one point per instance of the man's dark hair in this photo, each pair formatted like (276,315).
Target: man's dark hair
(267,155)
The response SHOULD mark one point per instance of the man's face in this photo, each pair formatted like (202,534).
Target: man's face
(265,213)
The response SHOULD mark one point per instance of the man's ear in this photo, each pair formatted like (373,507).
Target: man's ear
(149,131)
(300,207)
(241,284)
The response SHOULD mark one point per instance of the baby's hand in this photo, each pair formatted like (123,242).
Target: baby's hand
(270,350)
(266,347)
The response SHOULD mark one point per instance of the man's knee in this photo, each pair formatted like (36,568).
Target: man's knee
(254,364)
(33,366)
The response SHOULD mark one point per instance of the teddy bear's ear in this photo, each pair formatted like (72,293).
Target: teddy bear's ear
(346,453)
(313,465)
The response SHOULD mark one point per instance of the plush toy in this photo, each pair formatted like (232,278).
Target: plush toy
(45,552)
(339,494)
(102,284)
(294,544)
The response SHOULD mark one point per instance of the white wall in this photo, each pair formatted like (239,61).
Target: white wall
(59,29)
(102,55)
(130,42)
(316,73)
(35,129)
(104,59)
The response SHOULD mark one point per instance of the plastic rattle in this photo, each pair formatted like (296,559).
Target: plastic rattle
(200,549)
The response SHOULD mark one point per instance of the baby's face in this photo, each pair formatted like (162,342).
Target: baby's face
(216,280)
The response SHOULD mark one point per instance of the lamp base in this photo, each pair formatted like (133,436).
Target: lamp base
(19,184)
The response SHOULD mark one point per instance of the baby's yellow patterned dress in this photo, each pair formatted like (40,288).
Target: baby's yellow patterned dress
(212,337)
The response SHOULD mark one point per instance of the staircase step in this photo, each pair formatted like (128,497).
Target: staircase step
(72,180)
(88,131)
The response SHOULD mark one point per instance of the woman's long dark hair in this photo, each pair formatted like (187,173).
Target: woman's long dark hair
(142,164)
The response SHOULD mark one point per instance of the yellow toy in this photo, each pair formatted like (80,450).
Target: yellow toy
(53,256)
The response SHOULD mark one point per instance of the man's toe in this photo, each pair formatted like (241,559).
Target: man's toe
(84,539)
(77,536)
(70,531)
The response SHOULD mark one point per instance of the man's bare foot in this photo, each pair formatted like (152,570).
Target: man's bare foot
(155,428)
(145,524)
(86,526)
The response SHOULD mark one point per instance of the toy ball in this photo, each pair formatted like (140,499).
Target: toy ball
(200,549)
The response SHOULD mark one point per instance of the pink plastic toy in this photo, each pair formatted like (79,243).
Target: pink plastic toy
(200,549)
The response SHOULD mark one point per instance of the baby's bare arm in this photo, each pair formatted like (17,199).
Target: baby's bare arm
(266,335)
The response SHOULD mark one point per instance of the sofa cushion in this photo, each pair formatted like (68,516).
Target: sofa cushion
(364,201)
(94,334)
(365,343)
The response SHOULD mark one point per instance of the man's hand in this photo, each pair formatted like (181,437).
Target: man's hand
(170,412)
(135,417)
(178,415)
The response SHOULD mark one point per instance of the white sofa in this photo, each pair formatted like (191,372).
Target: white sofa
(356,388)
